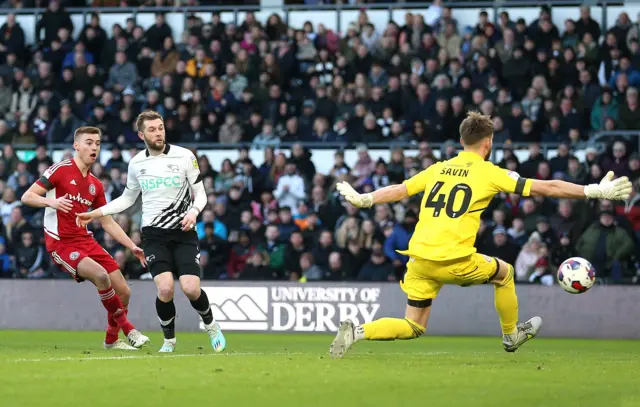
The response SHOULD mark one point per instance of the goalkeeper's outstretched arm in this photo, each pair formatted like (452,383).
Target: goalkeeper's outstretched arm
(391,193)
(615,189)
(557,189)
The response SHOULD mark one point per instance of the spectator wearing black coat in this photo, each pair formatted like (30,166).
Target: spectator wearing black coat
(378,268)
(529,168)
(218,252)
(30,258)
(257,268)
(563,251)
(586,24)
(94,37)
(292,253)
(12,38)
(335,271)
(502,247)
(51,21)
(64,125)
(156,34)
(323,249)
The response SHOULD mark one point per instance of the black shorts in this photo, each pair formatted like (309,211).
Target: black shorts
(171,250)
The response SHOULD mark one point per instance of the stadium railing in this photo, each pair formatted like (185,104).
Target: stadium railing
(545,147)
(629,135)
(601,7)
(322,153)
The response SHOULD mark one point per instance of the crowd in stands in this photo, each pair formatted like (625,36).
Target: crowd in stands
(283,220)
(263,83)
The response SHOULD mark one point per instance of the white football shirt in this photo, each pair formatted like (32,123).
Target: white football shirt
(165,183)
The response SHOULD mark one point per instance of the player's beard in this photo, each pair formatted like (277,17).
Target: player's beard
(153,145)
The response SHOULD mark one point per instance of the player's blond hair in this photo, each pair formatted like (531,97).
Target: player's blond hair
(475,127)
(86,130)
(147,117)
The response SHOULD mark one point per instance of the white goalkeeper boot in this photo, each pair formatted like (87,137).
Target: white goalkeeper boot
(524,332)
(345,338)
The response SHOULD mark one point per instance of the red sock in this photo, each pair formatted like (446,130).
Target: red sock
(112,328)
(113,305)
(112,333)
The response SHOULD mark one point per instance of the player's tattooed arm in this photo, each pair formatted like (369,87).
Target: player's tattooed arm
(35,197)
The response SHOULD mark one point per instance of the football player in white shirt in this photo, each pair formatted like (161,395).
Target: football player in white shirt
(167,176)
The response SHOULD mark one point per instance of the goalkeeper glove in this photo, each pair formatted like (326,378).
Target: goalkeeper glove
(356,199)
(615,190)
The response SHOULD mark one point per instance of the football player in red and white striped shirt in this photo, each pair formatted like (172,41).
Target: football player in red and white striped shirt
(68,188)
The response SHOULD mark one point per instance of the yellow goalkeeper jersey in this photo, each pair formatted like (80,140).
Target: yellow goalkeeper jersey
(456,192)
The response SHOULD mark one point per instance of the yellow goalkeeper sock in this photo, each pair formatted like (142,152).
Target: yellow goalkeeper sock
(507,303)
(388,329)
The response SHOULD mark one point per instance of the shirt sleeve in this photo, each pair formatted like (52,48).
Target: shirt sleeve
(418,182)
(121,203)
(51,177)
(509,181)
(193,170)
(132,181)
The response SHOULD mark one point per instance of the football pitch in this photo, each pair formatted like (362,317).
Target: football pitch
(46,368)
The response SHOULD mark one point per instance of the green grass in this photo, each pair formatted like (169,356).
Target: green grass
(70,369)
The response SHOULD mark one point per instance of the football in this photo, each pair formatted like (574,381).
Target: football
(576,275)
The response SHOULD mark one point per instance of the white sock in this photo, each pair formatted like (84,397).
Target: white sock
(513,336)
(213,321)
(358,333)
(171,341)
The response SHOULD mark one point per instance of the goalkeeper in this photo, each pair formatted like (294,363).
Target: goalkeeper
(442,251)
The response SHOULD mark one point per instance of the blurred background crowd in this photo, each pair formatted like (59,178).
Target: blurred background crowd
(263,84)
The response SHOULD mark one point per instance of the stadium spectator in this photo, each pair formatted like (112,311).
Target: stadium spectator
(502,247)
(608,245)
(257,267)
(273,248)
(272,84)
(64,125)
(7,204)
(30,257)
(51,22)
(6,261)
(290,188)
(529,258)
(517,232)
(378,268)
